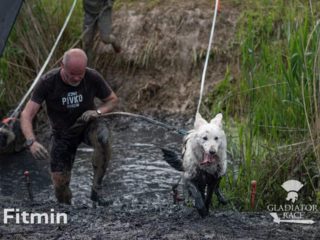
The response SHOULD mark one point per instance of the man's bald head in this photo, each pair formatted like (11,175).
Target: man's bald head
(75,56)
(74,65)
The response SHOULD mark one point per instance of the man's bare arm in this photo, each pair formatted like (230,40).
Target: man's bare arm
(27,116)
(109,103)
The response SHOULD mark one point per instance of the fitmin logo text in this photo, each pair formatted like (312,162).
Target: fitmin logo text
(15,216)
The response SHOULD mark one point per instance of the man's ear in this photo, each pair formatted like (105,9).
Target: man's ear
(217,120)
(199,121)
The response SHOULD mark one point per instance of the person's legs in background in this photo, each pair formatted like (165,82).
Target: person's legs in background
(105,28)
(89,27)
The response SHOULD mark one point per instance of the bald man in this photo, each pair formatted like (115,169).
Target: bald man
(69,93)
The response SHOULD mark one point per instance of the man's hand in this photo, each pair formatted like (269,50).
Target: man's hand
(38,151)
(89,115)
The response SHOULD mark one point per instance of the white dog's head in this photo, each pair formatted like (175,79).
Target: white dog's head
(210,138)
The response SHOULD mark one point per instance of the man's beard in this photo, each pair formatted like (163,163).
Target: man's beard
(74,84)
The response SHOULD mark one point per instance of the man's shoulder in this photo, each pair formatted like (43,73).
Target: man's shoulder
(51,75)
(45,86)
(91,70)
(93,74)
(97,81)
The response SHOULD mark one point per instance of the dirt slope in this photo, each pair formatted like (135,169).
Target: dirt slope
(164,49)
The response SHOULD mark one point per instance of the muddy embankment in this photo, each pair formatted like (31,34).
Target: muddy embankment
(164,49)
(165,46)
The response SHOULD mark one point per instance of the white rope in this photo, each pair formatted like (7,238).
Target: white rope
(208,54)
(35,81)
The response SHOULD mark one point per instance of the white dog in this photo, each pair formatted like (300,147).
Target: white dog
(204,161)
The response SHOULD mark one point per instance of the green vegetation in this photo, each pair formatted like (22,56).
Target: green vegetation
(29,45)
(30,42)
(274,102)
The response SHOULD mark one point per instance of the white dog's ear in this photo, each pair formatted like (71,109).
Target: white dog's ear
(217,120)
(199,121)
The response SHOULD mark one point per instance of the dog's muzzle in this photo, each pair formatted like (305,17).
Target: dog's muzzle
(209,158)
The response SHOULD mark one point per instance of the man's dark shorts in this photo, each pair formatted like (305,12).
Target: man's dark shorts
(64,144)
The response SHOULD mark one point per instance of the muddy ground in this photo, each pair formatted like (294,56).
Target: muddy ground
(138,187)
(168,223)
(164,47)
(157,73)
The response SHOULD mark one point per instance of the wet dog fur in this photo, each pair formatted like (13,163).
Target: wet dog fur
(203,163)
(11,136)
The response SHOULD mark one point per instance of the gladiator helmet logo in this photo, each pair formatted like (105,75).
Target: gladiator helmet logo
(292,187)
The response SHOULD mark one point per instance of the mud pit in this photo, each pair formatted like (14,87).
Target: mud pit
(139,182)
(139,185)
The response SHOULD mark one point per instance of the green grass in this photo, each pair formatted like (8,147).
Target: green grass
(30,42)
(274,102)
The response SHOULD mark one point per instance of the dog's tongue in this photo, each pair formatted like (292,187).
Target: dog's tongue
(207,159)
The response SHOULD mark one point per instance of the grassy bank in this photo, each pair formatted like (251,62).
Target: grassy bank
(29,45)
(30,42)
(274,102)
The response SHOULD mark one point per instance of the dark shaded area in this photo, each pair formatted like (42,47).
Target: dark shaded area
(9,10)
(12,179)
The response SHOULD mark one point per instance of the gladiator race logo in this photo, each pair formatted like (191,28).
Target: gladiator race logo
(292,187)
(291,213)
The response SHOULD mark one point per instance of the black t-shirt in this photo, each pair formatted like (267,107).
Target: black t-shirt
(66,103)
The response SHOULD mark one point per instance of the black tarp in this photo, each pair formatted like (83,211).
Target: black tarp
(9,10)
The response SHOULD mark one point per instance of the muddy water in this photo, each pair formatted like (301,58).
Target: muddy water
(139,185)
(12,179)
(137,176)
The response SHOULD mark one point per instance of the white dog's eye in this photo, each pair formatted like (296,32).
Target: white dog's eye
(205,138)
(216,138)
